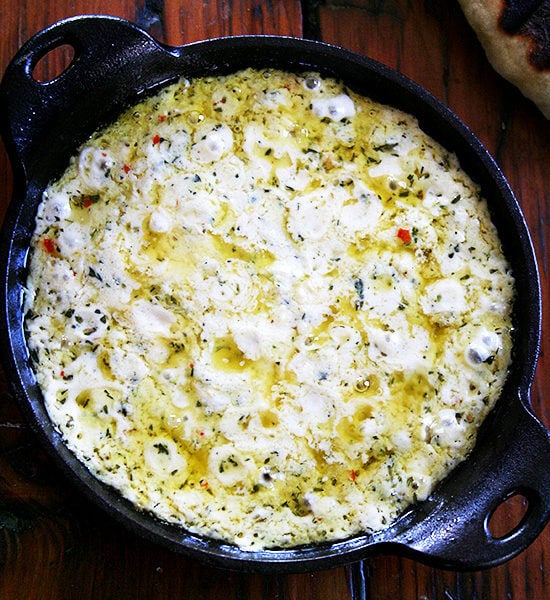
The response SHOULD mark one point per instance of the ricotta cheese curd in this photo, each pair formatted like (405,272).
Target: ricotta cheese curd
(267,309)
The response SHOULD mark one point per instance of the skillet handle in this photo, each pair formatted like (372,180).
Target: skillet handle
(37,116)
(455,531)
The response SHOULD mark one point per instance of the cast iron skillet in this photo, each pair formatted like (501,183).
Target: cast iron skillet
(115,63)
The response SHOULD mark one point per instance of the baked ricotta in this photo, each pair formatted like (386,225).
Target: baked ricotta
(267,309)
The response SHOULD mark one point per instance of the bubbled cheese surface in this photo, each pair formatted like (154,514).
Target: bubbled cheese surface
(267,309)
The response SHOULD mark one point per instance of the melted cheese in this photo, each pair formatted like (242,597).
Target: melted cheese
(262,298)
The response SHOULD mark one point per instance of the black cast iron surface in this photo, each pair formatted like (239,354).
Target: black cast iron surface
(115,63)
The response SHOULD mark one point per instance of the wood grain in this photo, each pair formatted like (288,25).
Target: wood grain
(186,22)
(54,544)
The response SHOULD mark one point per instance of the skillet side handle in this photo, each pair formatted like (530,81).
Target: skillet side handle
(34,115)
(455,531)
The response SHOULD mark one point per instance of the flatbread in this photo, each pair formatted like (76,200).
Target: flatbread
(516,37)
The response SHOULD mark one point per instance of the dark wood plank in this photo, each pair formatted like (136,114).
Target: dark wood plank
(53,542)
(431,43)
(186,22)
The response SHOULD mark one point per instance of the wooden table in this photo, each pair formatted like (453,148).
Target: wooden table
(53,543)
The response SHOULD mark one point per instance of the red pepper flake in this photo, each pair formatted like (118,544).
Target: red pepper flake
(404,235)
(62,373)
(162,118)
(353,475)
(49,245)
(201,433)
(156,139)
(204,483)
(126,168)
(87,202)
